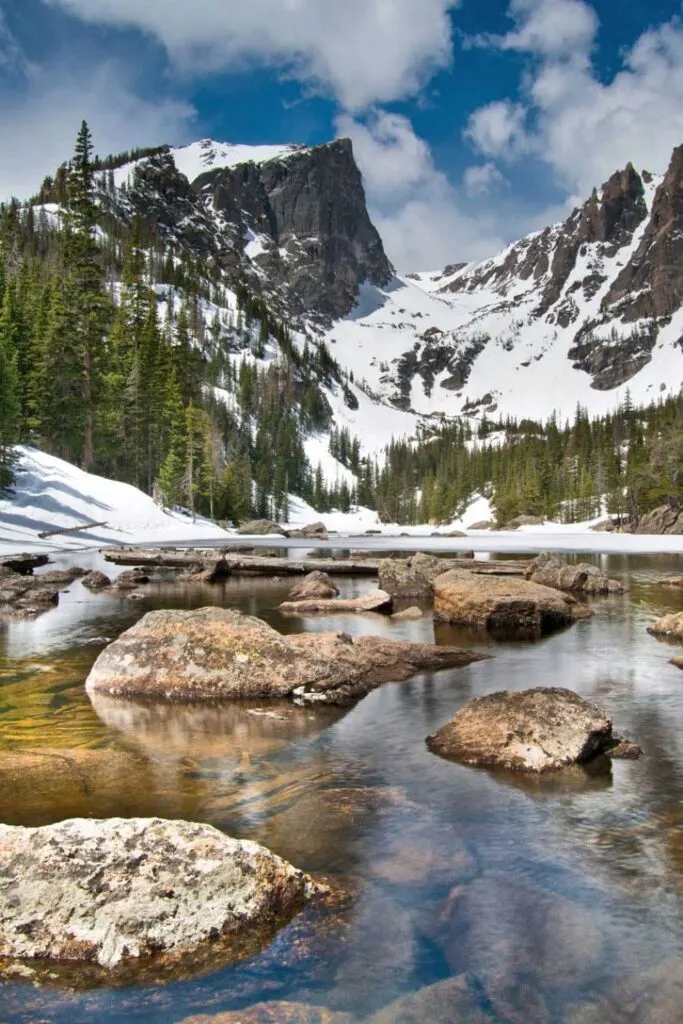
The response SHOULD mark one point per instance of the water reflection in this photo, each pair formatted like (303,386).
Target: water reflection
(552,895)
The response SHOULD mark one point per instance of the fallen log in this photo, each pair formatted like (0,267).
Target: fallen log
(375,601)
(69,529)
(229,564)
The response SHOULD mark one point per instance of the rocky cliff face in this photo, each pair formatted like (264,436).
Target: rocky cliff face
(295,228)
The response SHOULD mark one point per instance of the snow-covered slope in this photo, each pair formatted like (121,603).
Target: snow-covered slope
(206,155)
(50,494)
(576,314)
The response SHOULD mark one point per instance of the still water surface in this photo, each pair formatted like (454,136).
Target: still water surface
(548,895)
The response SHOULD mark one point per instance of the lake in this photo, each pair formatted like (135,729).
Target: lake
(543,896)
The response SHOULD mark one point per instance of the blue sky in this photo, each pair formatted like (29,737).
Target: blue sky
(473,121)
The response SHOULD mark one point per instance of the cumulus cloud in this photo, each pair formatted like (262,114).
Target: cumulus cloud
(424,221)
(482,179)
(42,122)
(582,127)
(362,52)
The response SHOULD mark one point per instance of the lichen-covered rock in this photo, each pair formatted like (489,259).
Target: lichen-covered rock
(96,581)
(535,730)
(668,626)
(375,601)
(507,606)
(217,653)
(116,891)
(553,571)
(317,586)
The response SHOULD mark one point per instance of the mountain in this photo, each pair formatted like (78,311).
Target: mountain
(580,312)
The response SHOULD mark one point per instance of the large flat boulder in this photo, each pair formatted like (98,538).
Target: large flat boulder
(535,730)
(218,654)
(121,890)
(668,626)
(503,605)
(374,601)
(553,571)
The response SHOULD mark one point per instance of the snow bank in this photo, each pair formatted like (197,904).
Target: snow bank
(50,493)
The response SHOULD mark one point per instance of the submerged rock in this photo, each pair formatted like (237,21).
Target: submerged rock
(317,586)
(96,581)
(411,614)
(446,1002)
(668,626)
(553,571)
(216,653)
(376,600)
(116,891)
(274,1013)
(535,730)
(503,605)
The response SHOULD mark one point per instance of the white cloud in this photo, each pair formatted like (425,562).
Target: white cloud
(424,221)
(482,179)
(582,127)
(361,51)
(42,123)
(550,27)
(497,129)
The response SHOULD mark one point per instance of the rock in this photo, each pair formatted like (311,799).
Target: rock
(506,606)
(260,528)
(24,564)
(376,600)
(96,581)
(515,524)
(604,526)
(664,520)
(120,890)
(446,1002)
(674,582)
(373,533)
(25,596)
(677,662)
(411,578)
(197,574)
(535,730)
(484,524)
(274,1013)
(216,653)
(61,577)
(553,571)
(669,625)
(623,750)
(316,586)
(408,614)
(654,996)
(454,533)
(131,579)
(316,531)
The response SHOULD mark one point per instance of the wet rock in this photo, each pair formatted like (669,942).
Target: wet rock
(624,750)
(131,579)
(675,582)
(120,890)
(274,1013)
(535,730)
(317,531)
(96,581)
(654,996)
(375,601)
(411,614)
(217,653)
(24,564)
(446,1002)
(317,586)
(553,571)
(259,528)
(668,626)
(506,606)
(25,596)
(61,577)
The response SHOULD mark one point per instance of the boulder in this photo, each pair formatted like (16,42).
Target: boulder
(131,579)
(514,524)
(604,526)
(484,524)
(61,578)
(442,1003)
(553,571)
(25,596)
(316,531)
(375,601)
(122,890)
(317,586)
(662,520)
(219,653)
(675,582)
(677,662)
(259,528)
(537,730)
(96,581)
(503,605)
(411,578)
(669,626)
(454,533)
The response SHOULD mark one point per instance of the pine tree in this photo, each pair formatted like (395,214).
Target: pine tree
(10,408)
